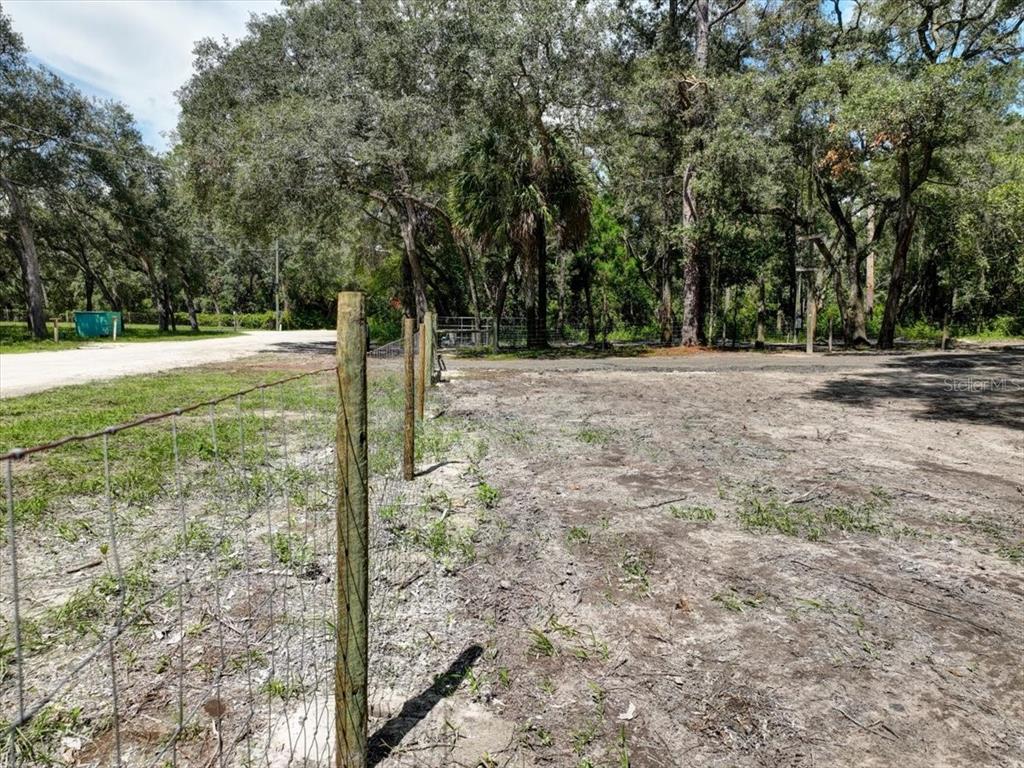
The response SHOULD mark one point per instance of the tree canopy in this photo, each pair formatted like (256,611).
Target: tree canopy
(640,169)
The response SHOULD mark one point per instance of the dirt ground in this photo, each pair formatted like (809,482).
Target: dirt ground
(735,559)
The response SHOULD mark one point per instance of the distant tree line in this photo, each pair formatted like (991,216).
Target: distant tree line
(682,170)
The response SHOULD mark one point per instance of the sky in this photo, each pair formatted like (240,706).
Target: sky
(138,52)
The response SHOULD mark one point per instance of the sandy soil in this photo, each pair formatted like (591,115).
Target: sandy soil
(746,560)
(22,374)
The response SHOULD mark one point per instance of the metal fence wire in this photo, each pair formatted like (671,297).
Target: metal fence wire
(169,594)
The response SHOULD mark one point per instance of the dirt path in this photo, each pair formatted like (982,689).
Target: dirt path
(22,374)
(748,560)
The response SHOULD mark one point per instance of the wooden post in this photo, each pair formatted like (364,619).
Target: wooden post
(830,334)
(431,323)
(812,309)
(56,330)
(494,334)
(409,450)
(421,378)
(352,519)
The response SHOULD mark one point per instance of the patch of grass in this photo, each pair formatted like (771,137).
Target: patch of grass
(1012,552)
(583,737)
(141,459)
(637,564)
(197,537)
(445,542)
(279,689)
(536,735)
(540,644)
(87,608)
(487,495)
(291,550)
(594,435)
(578,535)
(737,601)
(15,338)
(693,514)
(770,515)
(37,741)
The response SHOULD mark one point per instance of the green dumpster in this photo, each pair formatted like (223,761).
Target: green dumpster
(91,325)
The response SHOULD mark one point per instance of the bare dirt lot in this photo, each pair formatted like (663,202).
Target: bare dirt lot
(745,560)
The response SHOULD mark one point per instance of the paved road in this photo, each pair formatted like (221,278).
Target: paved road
(22,374)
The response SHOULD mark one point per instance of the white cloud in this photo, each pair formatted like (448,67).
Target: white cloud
(137,51)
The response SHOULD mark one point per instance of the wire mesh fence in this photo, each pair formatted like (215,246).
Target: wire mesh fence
(169,591)
(464,332)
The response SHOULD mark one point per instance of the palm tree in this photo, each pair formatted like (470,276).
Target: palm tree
(512,184)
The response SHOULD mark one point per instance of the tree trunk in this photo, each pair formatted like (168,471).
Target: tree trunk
(419,287)
(854,324)
(31,273)
(542,285)
(90,288)
(156,294)
(812,310)
(500,295)
(474,299)
(190,304)
(759,342)
(665,291)
(560,319)
(588,290)
(691,296)
(869,298)
(169,307)
(691,254)
(905,220)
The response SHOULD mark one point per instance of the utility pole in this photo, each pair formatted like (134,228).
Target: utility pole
(277,285)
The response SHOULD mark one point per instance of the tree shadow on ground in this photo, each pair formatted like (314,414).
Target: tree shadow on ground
(390,735)
(304,347)
(553,352)
(981,388)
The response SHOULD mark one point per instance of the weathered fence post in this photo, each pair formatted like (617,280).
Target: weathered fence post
(421,378)
(494,335)
(352,519)
(409,452)
(56,330)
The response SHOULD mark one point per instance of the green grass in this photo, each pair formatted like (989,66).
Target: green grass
(1012,552)
(637,565)
(692,514)
(38,741)
(771,515)
(487,495)
(141,459)
(15,337)
(578,535)
(737,601)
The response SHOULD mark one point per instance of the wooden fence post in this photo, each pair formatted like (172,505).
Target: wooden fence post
(409,451)
(421,378)
(352,520)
